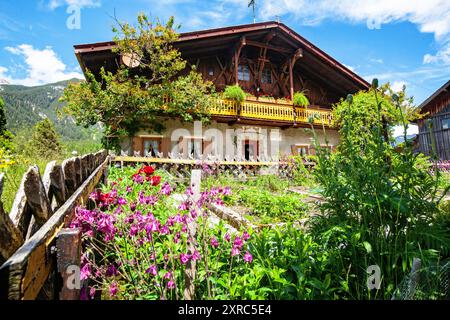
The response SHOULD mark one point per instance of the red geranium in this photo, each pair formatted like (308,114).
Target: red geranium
(155,180)
(148,170)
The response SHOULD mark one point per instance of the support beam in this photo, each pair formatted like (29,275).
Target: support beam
(237,54)
(268,46)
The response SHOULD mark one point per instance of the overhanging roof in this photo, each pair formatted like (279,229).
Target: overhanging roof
(232,32)
(435,99)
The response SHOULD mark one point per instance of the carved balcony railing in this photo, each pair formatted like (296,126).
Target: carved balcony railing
(260,110)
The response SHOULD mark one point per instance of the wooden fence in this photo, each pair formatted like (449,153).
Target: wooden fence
(182,168)
(33,231)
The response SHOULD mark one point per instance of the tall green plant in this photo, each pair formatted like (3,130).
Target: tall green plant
(381,205)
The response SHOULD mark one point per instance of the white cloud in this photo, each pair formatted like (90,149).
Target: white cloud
(42,66)
(53,4)
(352,69)
(397,86)
(431,15)
(441,57)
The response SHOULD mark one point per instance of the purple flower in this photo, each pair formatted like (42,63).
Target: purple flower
(168,275)
(85,272)
(132,206)
(165,189)
(184,258)
(164,230)
(248,257)
(193,214)
(92,292)
(235,251)
(121,201)
(214,242)
(111,271)
(170,284)
(151,270)
(113,289)
(226,191)
(227,237)
(133,230)
(195,255)
(129,189)
(238,243)
(245,236)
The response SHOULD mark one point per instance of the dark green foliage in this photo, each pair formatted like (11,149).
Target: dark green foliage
(45,141)
(2,116)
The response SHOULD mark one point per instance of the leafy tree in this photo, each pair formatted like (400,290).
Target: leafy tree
(44,141)
(151,85)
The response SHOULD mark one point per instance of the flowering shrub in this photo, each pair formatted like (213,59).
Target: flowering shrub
(137,243)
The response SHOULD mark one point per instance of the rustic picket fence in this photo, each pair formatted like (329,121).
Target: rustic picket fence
(181,168)
(34,246)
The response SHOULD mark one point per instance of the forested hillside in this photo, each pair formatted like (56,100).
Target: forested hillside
(25,106)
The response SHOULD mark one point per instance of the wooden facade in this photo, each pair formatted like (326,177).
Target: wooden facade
(434,128)
(268,60)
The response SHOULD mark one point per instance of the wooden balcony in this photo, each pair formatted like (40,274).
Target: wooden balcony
(278,113)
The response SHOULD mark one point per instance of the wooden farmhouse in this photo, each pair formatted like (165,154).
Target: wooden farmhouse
(434,128)
(270,62)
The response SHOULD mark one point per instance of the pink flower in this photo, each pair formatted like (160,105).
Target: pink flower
(129,189)
(214,242)
(165,189)
(92,292)
(227,237)
(235,251)
(245,236)
(113,289)
(238,243)
(151,270)
(85,272)
(132,206)
(168,275)
(227,191)
(184,258)
(196,255)
(248,257)
(170,284)
(121,201)
(133,230)
(164,230)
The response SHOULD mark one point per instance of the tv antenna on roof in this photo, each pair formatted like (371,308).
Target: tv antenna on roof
(252,3)
(278,18)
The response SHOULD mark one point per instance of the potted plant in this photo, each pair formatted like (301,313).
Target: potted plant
(300,100)
(234,93)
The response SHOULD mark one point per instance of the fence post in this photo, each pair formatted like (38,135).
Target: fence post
(191,266)
(68,253)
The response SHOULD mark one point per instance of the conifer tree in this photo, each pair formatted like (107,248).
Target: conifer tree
(45,141)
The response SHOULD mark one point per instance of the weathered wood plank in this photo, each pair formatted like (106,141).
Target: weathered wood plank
(78,173)
(70,178)
(24,274)
(20,213)
(58,185)
(10,237)
(68,251)
(37,196)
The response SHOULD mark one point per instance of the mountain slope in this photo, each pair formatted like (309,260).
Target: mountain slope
(25,106)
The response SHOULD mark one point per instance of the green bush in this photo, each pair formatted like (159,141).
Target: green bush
(234,93)
(300,100)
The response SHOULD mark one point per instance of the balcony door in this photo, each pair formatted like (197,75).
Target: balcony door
(250,149)
(151,146)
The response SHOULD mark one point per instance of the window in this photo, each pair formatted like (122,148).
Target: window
(446,123)
(243,73)
(210,71)
(300,150)
(151,147)
(266,76)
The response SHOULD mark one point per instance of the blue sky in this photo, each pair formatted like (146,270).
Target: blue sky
(401,41)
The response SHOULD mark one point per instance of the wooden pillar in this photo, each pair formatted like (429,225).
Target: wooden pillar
(68,249)
(291,78)
(237,54)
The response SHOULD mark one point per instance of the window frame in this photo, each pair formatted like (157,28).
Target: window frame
(243,70)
